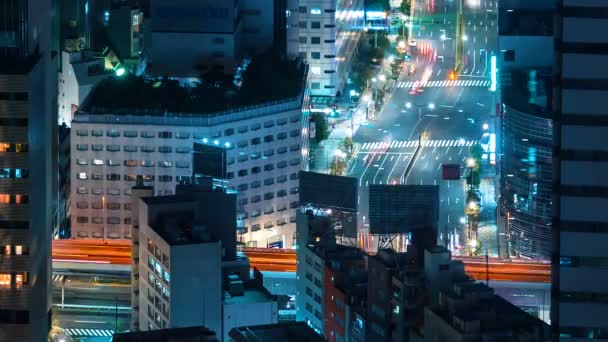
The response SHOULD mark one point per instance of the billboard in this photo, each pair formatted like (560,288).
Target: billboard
(328,191)
(396,209)
(208,160)
(450,171)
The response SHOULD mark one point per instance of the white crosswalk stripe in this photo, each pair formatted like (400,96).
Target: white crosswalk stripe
(89,332)
(58,277)
(400,144)
(443,83)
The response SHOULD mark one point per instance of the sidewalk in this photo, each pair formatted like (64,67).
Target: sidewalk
(487,232)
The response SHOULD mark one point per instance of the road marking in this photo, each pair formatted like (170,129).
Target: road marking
(383,147)
(451,83)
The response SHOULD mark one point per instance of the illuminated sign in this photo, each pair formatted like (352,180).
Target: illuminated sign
(315,11)
(493,73)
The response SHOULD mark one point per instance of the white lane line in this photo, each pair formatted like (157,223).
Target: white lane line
(379,169)
(369,162)
(388,179)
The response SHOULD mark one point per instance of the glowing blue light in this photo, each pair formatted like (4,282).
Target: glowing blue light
(86,8)
(493,73)
(205,140)
(227,144)
(215,142)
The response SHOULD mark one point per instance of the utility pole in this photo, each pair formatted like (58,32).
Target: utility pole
(116,314)
(459,38)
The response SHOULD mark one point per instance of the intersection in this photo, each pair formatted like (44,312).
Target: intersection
(452,112)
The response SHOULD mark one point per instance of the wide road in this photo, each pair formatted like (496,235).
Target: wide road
(452,112)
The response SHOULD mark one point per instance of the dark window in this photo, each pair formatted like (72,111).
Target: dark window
(510,56)
(269,138)
(218,41)
(255,141)
(243,173)
(315,25)
(229,131)
(315,40)
(165,135)
(315,55)
(302,9)
(255,170)
(302,40)
(268,167)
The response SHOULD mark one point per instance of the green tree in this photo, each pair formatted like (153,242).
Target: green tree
(321,132)
(405,7)
(476,153)
(346,145)
(338,166)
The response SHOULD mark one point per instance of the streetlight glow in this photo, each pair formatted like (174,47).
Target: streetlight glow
(443,37)
(227,144)
(374,80)
(465,37)
(205,140)
(382,78)
(463,220)
(431,106)
(471,162)
(120,71)
(216,142)
(472,205)
(485,126)
(408,105)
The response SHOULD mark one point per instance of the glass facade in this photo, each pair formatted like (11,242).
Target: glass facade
(527,171)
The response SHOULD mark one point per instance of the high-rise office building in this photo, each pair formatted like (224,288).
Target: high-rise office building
(28,107)
(580,257)
(526,139)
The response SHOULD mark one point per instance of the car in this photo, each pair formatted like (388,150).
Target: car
(412,69)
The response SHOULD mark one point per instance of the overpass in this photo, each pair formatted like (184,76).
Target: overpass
(94,255)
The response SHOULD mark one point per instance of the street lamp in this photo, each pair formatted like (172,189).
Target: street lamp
(408,105)
(431,106)
(463,220)
(471,162)
(382,78)
(485,126)
(465,37)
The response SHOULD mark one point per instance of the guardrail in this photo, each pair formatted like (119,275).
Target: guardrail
(112,308)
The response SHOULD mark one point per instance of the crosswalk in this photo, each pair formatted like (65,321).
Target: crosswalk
(58,277)
(89,332)
(446,83)
(383,145)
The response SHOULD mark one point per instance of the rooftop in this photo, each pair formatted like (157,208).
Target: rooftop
(269,78)
(251,295)
(17,65)
(290,331)
(168,335)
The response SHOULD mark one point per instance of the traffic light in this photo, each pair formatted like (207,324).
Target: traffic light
(333,113)
(452,75)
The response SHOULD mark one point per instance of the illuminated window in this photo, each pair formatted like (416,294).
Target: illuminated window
(315,11)
(7,250)
(315,70)
(131,163)
(5,198)
(5,280)
(82,175)
(4,147)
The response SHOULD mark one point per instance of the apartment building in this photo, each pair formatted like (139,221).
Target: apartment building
(188,269)
(580,226)
(266,143)
(329,32)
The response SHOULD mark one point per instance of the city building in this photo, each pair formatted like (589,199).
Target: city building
(28,177)
(181,282)
(329,34)
(188,38)
(133,126)
(188,243)
(344,292)
(472,312)
(125,34)
(580,223)
(526,167)
(290,331)
(80,72)
(188,334)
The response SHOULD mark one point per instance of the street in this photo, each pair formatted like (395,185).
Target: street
(452,112)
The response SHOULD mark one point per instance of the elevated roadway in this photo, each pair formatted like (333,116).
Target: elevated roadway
(95,255)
